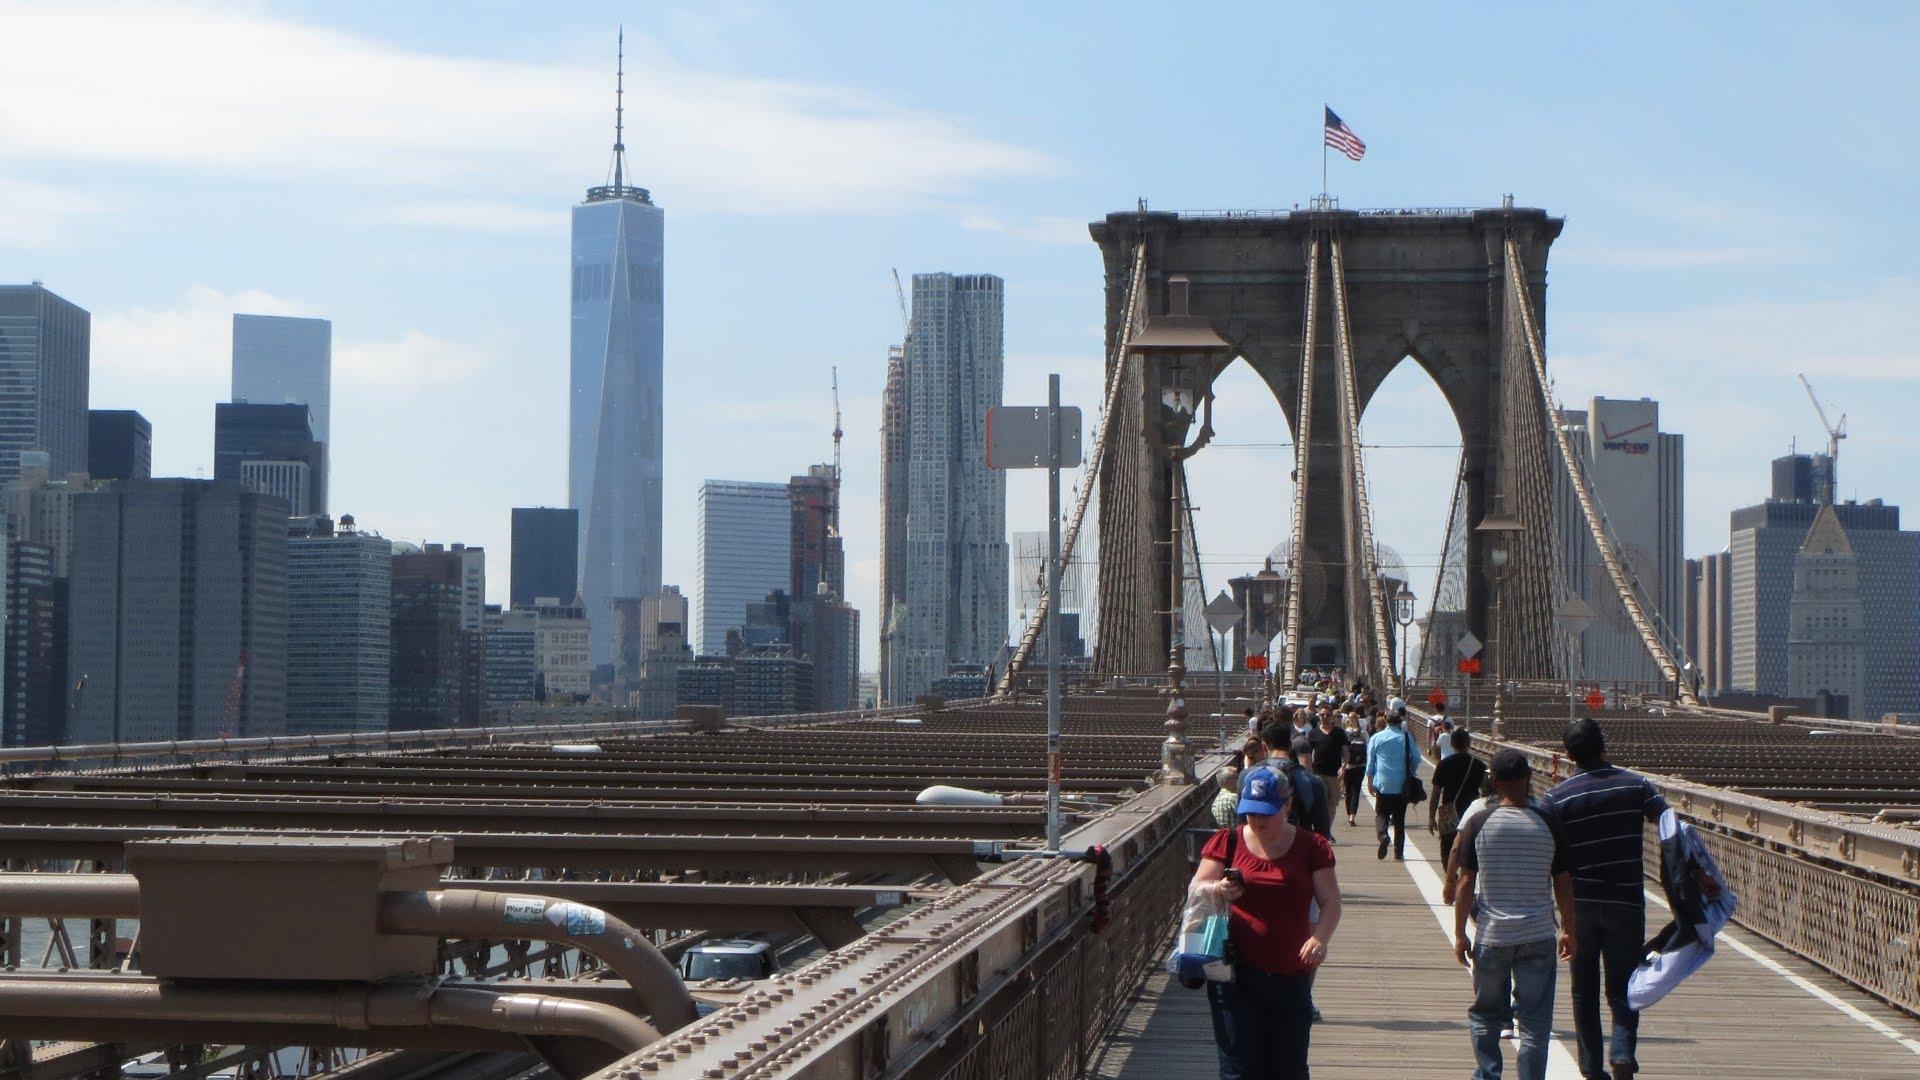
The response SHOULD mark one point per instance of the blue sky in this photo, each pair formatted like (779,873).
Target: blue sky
(1737,181)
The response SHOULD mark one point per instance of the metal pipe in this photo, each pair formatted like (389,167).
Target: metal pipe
(347,1008)
(92,896)
(530,916)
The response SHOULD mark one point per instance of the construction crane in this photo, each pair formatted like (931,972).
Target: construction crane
(900,296)
(1835,432)
(833,509)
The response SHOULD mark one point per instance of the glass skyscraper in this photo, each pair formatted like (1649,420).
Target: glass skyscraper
(281,360)
(743,552)
(339,641)
(955,591)
(614,420)
(44,342)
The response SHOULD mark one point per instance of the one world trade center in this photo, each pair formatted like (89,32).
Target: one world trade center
(614,409)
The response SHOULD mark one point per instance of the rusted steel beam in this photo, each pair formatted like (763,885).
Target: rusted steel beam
(277,812)
(904,779)
(912,856)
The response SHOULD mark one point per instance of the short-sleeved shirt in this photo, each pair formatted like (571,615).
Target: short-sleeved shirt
(1516,851)
(1457,780)
(1600,812)
(1329,750)
(1269,922)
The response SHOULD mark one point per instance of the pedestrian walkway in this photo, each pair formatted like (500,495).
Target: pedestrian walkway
(1395,1001)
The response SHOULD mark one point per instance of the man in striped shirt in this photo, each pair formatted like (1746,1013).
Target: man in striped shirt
(1601,811)
(1515,877)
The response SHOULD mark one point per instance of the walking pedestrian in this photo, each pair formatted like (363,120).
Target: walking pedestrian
(1599,811)
(1271,872)
(1456,783)
(1329,742)
(1229,796)
(1513,878)
(1392,763)
(1355,771)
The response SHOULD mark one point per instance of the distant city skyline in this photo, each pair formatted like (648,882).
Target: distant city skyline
(432,231)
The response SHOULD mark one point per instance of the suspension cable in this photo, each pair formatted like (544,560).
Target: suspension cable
(1576,474)
(1303,441)
(1116,365)
(1350,402)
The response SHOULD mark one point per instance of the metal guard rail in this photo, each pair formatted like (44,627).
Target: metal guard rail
(375,740)
(1840,892)
(998,978)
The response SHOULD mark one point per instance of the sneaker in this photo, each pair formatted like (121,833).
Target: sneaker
(1317,1018)
(1506,1033)
(1623,1070)
(1382,853)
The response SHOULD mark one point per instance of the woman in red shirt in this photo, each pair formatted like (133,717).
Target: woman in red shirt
(1263,1019)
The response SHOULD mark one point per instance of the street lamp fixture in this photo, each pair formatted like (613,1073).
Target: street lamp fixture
(1180,353)
(1501,535)
(1403,614)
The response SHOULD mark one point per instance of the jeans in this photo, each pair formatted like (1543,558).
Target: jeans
(1513,984)
(1261,1024)
(1615,934)
(1391,809)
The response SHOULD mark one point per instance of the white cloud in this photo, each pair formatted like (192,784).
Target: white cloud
(193,339)
(1871,333)
(35,215)
(1044,230)
(414,361)
(479,215)
(252,95)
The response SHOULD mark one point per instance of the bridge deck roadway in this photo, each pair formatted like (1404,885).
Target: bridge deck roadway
(1395,1002)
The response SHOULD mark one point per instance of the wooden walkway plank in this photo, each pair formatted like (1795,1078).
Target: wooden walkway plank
(1396,1002)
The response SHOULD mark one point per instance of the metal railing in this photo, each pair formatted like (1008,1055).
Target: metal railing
(17,759)
(1841,892)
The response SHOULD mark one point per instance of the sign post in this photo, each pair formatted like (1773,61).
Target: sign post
(1222,615)
(1031,437)
(1469,649)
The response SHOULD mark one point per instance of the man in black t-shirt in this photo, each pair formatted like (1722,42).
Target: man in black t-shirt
(1456,783)
(1329,742)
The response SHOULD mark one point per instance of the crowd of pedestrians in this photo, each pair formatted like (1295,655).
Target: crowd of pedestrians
(1532,882)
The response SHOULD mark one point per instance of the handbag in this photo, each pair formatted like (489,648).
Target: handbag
(1203,952)
(1416,791)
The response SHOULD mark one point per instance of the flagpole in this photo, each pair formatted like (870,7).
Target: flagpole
(1323,152)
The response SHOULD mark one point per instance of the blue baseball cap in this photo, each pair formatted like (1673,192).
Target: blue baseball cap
(1264,790)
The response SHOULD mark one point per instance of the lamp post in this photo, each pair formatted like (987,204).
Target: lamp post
(1403,614)
(1501,534)
(1180,353)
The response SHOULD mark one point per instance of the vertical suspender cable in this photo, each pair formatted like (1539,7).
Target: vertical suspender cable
(1536,353)
(1302,440)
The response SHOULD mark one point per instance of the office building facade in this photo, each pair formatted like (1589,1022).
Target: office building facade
(893,527)
(36,643)
(1634,471)
(283,360)
(339,638)
(428,658)
(45,344)
(1827,621)
(546,555)
(742,552)
(119,445)
(513,668)
(277,435)
(178,593)
(1709,627)
(561,651)
(40,508)
(614,408)
(955,587)
(1764,544)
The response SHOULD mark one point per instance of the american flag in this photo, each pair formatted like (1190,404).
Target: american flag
(1342,138)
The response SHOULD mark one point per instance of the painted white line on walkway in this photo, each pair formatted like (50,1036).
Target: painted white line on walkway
(1561,1063)
(1840,1005)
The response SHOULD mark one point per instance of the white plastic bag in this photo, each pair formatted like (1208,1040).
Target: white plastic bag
(1199,953)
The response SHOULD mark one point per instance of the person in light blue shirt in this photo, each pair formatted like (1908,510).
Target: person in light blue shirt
(1391,760)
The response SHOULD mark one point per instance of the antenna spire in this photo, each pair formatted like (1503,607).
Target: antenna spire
(619,112)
